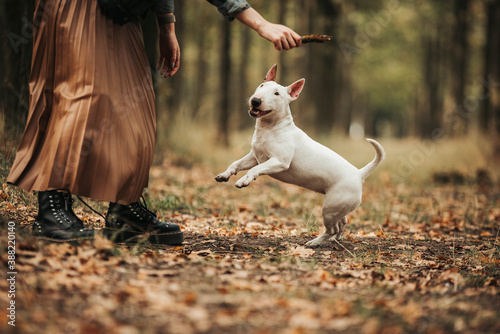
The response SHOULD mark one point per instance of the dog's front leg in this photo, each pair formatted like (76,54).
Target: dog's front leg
(245,163)
(271,166)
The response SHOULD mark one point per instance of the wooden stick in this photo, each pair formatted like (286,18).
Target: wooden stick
(316,38)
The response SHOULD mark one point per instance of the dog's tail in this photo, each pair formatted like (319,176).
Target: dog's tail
(368,169)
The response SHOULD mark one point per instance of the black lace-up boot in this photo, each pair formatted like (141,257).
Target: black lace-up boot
(68,206)
(56,220)
(133,221)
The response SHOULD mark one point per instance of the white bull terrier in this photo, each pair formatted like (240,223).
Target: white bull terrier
(283,151)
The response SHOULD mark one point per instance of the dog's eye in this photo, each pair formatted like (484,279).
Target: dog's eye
(261,85)
(276,93)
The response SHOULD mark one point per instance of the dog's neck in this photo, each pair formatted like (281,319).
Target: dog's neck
(275,122)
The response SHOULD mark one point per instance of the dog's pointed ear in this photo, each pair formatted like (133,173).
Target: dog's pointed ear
(271,75)
(295,88)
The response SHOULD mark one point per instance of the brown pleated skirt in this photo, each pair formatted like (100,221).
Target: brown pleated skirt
(92,119)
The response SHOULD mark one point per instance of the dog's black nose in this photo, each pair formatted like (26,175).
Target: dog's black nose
(256,102)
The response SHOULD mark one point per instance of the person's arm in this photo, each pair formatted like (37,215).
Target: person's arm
(170,55)
(281,36)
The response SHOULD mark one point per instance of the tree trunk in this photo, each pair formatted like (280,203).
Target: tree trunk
(224,85)
(282,65)
(305,18)
(326,94)
(243,86)
(494,76)
(431,114)
(201,64)
(459,56)
(490,108)
(344,104)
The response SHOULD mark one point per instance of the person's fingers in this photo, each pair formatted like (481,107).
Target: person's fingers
(294,39)
(297,38)
(277,45)
(175,64)
(170,67)
(291,41)
(166,70)
(174,70)
(285,44)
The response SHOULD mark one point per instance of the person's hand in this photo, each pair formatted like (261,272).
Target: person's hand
(281,36)
(170,54)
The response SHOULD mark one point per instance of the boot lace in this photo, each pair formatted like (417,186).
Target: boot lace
(140,209)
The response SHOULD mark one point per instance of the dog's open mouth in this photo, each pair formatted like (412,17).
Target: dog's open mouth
(256,113)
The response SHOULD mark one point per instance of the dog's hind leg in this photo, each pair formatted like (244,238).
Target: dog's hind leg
(341,225)
(331,221)
(335,209)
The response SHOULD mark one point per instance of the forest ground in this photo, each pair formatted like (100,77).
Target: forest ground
(420,255)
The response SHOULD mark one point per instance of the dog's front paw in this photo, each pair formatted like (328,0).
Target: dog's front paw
(223,177)
(244,181)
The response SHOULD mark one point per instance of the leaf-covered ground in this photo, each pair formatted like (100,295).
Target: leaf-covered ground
(419,258)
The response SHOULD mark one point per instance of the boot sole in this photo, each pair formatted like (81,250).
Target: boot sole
(62,241)
(121,236)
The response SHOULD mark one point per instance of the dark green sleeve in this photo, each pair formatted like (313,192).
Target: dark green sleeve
(163,6)
(230,8)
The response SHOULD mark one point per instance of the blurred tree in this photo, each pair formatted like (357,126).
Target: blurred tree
(224,83)
(202,65)
(243,86)
(305,14)
(282,18)
(490,109)
(433,38)
(325,90)
(459,56)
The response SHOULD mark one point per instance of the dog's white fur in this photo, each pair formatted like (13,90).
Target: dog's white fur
(283,151)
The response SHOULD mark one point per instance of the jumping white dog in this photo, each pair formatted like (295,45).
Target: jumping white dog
(283,151)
